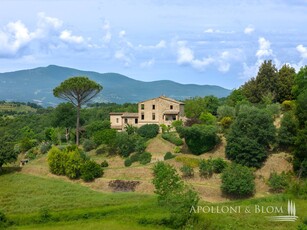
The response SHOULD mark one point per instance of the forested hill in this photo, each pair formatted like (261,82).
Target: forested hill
(36,85)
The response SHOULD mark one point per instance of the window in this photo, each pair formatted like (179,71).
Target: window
(142,116)
(136,121)
(153,107)
(171,107)
(117,120)
(174,118)
(142,106)
(153,116)
(126,120)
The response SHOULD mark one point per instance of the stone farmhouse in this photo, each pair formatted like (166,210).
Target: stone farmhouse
(160,110)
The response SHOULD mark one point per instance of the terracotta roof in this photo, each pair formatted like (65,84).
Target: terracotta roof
(130,115)
(171,112)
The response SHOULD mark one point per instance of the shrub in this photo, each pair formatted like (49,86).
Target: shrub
(90,170)
(88,145)
(201,138)
(298,189)
(145,158)
(219,165)
(140,145)
(168,156)
(135,157)
(172,138)
(226,122)
(57,161)
(207,118)
(73,165)
(193,162)
(225,111)
(288,130)
(104,164)
(125,143)
(177,123)
(177,149)
(287,105)
(206,168)
(238,181)
(148,130)
(273,109)
(123,186)
(278,182)
(128,162)
(105,136)
(187,171)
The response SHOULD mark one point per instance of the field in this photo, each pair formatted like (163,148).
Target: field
(33,198)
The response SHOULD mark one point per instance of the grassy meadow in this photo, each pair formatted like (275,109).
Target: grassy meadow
(32,202)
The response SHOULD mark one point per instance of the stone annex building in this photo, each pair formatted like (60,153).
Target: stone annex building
(160,110)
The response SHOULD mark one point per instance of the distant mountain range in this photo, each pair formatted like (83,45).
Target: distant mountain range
(36,85)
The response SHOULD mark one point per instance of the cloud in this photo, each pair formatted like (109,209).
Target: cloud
(147,64)
(211,31)
(264,48)
(160,45)
(249,29)
(107,29)
(302,50)
(122,34)
(186,56)
(123,56)
(67,36)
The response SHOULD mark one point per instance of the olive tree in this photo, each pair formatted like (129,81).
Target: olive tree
(77,90)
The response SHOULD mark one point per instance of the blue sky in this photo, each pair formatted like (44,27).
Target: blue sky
(196,41)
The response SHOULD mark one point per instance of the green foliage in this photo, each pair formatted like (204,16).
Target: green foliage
(102,149)
(201,138)
(165,128)
(218,165)
(284,83)
(226,122)
(96,126)
(225,111)
(207,118)
(171,137)
(206,168)
(273,109)
(64,115)
(7,153)
(57,161)
(88,145)
(301,107)
(145,158)
(104,164)
(73,164)
(105,136)
(168,156)
(135,157)
(288,105)
(130,129)
(278,182)
(177,123)
(288,130)
(3,220)
(148,130)
(235,97)
(298,189)
(250,136)
(177,149)
(300,150)
(187,171)
(140,145)
(77,90)
(125,143)
(195,106)
(128,162)
(173,194)
(238,181)
(45,147)
(90,170)
(300,81)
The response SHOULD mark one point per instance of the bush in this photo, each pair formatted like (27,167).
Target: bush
(104,164)
(207,118)
(238,181)
(172,138)
(125,143)
(140,145)
(105,136)
(187,171)
(226,122)
(206,168)
(73,165)
(128,162)
(88,145)
(298,189)
(135,157)
(90,170)
(201,138)
(278,182)
(102,149)
(287,105)
(145,158)
(177,149)
(273,109)
(57,161)
(219,165)
(225,111)
(168,156)
(288,130)
(148,130)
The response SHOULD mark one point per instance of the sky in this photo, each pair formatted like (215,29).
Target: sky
(205,42)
